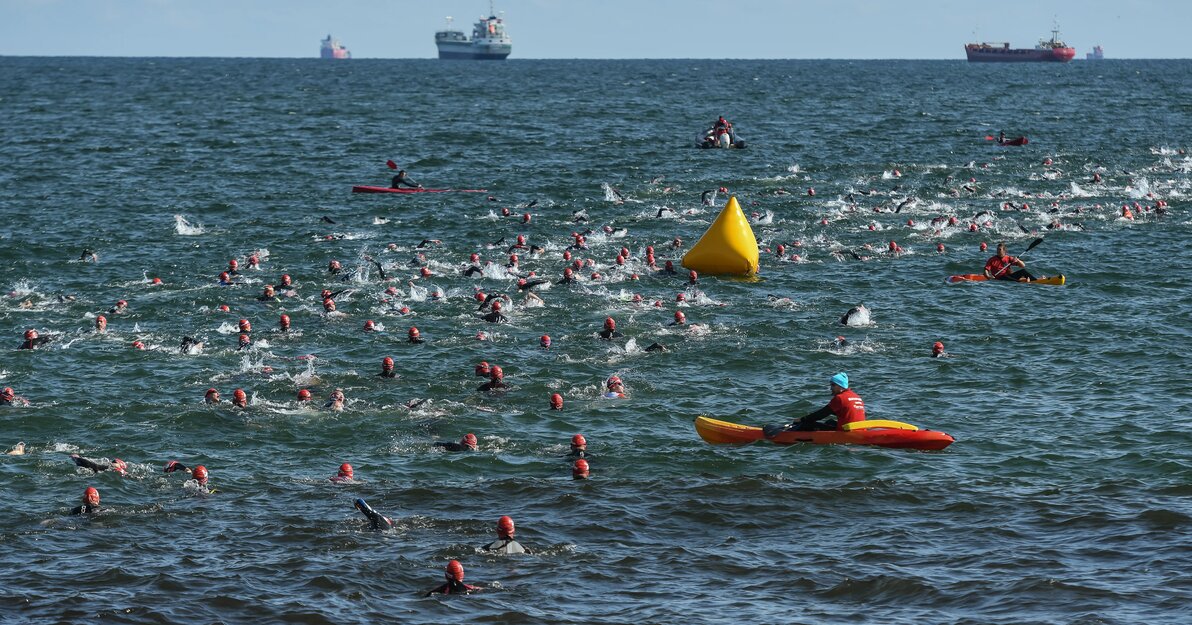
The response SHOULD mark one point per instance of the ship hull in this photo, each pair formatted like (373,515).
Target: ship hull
(978,54)
(471,52)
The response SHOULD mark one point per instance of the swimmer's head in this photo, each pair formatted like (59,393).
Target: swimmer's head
(239,398)
(304,395)
(424,272)
(497,306)
(692,276)
(544,341)
(200,474)
(670,266)
(455,570)
(225,277)
(156,281)
(224,308)
(681,297)
(121,304)
(580,470)
(285,279)
(556,401)
(370,325)
(30,335)
(496,373)
(637,298)
(253,261)
(579,443)
(984,246)
(91,496)
(469,441)
(268,291)
(474,258)
(566,255)
(244,340)
(505,527)
(526,218)
(245,326)
(482,370)
(7,394)
(414,334)
(387,364)
(937,348)
(334,266)
(610,324)
(680,317)
(284,322)
(233,264)
(345,471)
(567,273)
(101,323)
(138,345)
(521,239)
(120,466)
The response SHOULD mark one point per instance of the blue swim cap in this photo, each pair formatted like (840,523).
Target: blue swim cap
(840,379)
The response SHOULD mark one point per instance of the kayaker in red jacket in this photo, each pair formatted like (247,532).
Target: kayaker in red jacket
(845,405)
(998,266)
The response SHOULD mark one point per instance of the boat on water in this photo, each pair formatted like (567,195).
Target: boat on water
(333,49)
(1096,55)
(1048,51)
(489,42)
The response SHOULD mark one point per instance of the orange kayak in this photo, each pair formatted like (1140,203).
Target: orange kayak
(719,432)
(977,277)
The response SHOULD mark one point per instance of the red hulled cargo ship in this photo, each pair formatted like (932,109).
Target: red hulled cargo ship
(1048,51)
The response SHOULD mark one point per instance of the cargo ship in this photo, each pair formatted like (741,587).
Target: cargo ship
(1096,55)
(1049,50)
(333,49)
(489,40)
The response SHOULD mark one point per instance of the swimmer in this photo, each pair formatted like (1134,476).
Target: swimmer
(579,446)
(346,474)
(387,369)
(211,397)
(9,398)
(33,340)
(657,347)
(225,279)
(376,521)
(839,342)
(680,318)
(17,450)
(568,277)
(190,346)
(245,326)
(199,474)
(233,267)
(556,401)
(495,316)
(615,388)
(304,396)
(120,307)
(544,342)
(90,503)
(239,398)
(856,316)
(283,323)
(580,470)
(370,326)
(89,256)
(380,269)
(244,342)
(335,401)
(268,294)
(414,336)
(483,370)
(496,381)
(526,285)
(467,443)
(117,465)
(610,329)
(285,282)
(455,581)
(505,542)
(427,242)
(937,350)
(669,268)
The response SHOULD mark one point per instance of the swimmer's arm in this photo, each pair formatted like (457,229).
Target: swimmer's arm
(88,463)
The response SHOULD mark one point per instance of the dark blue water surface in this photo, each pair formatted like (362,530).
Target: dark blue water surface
(1066,498)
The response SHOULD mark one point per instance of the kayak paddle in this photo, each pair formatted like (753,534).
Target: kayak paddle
(390,164)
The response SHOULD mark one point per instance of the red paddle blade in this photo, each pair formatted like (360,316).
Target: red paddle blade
(987,138)
(391,165)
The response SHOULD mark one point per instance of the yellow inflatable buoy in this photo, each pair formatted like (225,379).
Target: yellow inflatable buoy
(728,247)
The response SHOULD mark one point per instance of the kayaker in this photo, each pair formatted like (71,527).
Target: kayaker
(117,465)
(90,502)
(845,405)
(376,521)
(401,179)
(505,542)
(455,581)
(998,266)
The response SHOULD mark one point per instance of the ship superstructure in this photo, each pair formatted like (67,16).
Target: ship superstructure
(333,49)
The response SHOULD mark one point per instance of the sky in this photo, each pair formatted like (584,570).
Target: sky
(593,29)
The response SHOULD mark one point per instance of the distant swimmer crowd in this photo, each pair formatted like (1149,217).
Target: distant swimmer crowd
(573,268)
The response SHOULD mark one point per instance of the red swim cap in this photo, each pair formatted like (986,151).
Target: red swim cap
(121,304)
(239,394)
(387,363)
(567,272)
(7,393)
(284,320)
(620,260)
(233,263)
(723,189)
(223,277)
(369,325)
(475,258)
(30,335)
(469,439)
(224,308)
(556,401)
(595,275)
(610,323)
(245,326)
(505,526)
(937,348)
(680,317)
(580,469)
(526,218)
(545,340)
(613,381)
(138,345)
(119,466)
(984,246)
(579,441)
(681,297)
(91,496)
(285,279)
(253,260)
(566,255)
(329,305)
(455,571)
(211,391)
(333,265)
(345,470)
(496,372)
(303,395)
(497,305)
(243,339)
(200,474)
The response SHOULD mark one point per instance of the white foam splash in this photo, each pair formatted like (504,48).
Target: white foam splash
(186,228)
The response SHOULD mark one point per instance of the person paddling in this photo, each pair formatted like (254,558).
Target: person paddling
(998,266)
(845,405)
(401,178)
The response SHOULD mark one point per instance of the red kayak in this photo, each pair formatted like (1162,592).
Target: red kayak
(890,434)
(367,189)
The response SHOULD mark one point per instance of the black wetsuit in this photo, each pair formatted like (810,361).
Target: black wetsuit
(400,179)
(609,335)
(656,347)
(474,269)
(35,343)
(567,280)
(88,463)
(452,587)
(505,545)
(84,509)
(529,285)
(376,520)
(495,317)
(493,386)
(453,446)
(387,374)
